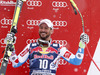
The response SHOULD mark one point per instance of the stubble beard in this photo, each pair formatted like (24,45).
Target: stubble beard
(44,38)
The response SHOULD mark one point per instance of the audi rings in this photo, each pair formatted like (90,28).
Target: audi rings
(31,41)
(56,23)
(60,23)
(62,62)
(34,3)
(5,21)
(61,42)
(33,22)
(59,4)
(2,41)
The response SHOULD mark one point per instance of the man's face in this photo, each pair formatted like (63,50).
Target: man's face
(45,31)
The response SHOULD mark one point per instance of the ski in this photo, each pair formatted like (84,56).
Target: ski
(13,30)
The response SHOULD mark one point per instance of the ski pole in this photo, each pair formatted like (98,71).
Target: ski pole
(75,6)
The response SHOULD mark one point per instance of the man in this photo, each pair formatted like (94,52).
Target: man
(44,54)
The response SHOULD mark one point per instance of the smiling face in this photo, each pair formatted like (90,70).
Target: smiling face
(45,32)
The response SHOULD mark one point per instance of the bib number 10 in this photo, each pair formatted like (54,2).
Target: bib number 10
(43,64)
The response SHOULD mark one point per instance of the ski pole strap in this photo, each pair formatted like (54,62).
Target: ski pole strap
(14,29)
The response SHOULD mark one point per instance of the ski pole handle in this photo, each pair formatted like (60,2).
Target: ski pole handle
(74,4)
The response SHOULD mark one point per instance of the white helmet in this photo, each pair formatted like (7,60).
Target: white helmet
(48,22)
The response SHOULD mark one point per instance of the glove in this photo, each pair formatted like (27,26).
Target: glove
(84,38)
(10,38)
(10,48)
(23,0)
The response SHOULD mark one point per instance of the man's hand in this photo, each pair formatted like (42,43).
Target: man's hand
(10,38)
(84,38)
(10,48)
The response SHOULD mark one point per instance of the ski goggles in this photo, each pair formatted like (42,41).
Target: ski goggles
(43,43)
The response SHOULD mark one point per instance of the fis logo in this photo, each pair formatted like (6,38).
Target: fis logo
(5,21)
(67,55)
(59,4)
(34,3)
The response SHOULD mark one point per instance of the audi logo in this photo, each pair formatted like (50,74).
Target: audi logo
(33,22)
(61,42)
(31,41)
(5,21)
(62,62)
(60,23)
(2,41)
(34,3)
(59,4)
(56,23)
